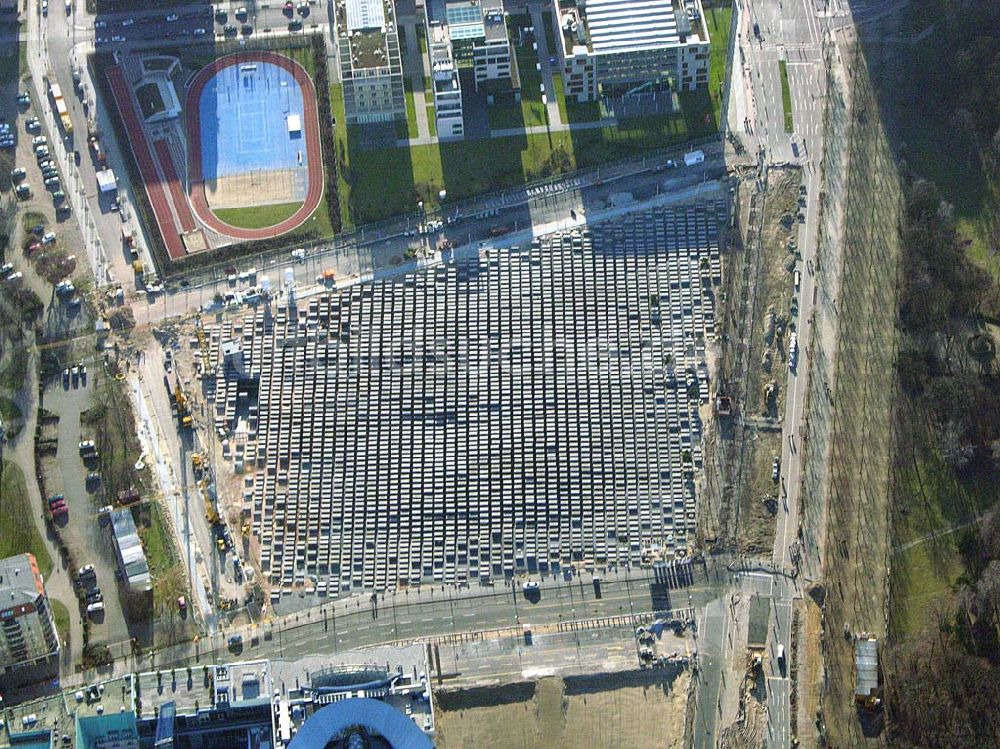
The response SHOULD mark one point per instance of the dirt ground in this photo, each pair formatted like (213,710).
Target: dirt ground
(768,372)
(629,712)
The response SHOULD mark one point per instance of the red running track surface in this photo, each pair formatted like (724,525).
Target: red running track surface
(174,185)
(310,119)
(147,168)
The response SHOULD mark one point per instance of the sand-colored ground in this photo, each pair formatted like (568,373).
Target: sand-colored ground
(255,188)
(629,710)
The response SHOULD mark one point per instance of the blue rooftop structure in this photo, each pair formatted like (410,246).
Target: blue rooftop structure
(329,722)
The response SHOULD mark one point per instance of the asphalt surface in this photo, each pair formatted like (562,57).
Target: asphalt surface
(567,610)
(564,206)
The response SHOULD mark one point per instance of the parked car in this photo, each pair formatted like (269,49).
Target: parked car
(86,571)
(52,182)
(33,125)
(16,175)
(171,18)
(87,446)
(23,192)
(14,277)
(6,268)
(775,469)
(39,140)
(95,608)
(49,237)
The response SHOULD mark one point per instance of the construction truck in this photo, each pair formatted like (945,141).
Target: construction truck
(60,104)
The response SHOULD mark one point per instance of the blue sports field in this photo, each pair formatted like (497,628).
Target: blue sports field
(244,111)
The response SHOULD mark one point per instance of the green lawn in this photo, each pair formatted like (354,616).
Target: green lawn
(717,20)
(61,616)
(15,370)
(9,410)
(786,96)
(169,580)
(412,131)
(431,121)
(258,217)
(23,58)
(931,499)
(422,39)
(20,536)
(392,180)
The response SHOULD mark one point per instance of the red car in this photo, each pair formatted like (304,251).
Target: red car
(289,8)
(59,508)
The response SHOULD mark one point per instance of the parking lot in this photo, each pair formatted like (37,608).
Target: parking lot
(206,22)
(519,411)
(82,529)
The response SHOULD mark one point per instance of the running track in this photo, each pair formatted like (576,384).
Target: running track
(313,150)
(174,185)
(147,167)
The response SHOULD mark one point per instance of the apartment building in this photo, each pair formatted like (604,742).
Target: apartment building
(29,643)
(368,55)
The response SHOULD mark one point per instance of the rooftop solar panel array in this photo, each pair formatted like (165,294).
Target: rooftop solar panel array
(519,411)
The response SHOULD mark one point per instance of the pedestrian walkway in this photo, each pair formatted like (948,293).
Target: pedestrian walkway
(416,66)
(552,104)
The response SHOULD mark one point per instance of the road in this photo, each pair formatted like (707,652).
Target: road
(451,616)
(526,216)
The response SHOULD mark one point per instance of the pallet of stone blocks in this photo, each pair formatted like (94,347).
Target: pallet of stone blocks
(520,411)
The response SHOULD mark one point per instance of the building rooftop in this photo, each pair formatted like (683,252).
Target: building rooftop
(866,666)
(365,25)
(472,19)
(133,558)
(20,583)
(613,26)
(207,686)
(48,719)
(365,14)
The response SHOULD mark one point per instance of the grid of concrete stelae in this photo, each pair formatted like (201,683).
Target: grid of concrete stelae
(520,411)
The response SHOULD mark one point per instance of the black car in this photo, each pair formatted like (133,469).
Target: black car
(229,30)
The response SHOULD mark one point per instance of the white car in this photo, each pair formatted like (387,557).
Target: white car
(199,32)
(6,268)
(87,569)
(49,237)
(531,586)
(118,39)
(15,277)
(95,608)
(87,446)
(128,22)
(106,510)
(172,17)
(100,24)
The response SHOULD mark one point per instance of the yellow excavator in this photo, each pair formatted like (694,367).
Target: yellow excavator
(183,407)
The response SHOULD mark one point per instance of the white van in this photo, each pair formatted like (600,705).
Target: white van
(95,608)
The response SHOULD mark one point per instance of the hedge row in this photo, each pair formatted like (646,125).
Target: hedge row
(329,143)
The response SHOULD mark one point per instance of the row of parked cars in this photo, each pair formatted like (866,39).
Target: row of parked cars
(88,590)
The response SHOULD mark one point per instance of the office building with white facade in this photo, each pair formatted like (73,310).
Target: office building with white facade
(617,47)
